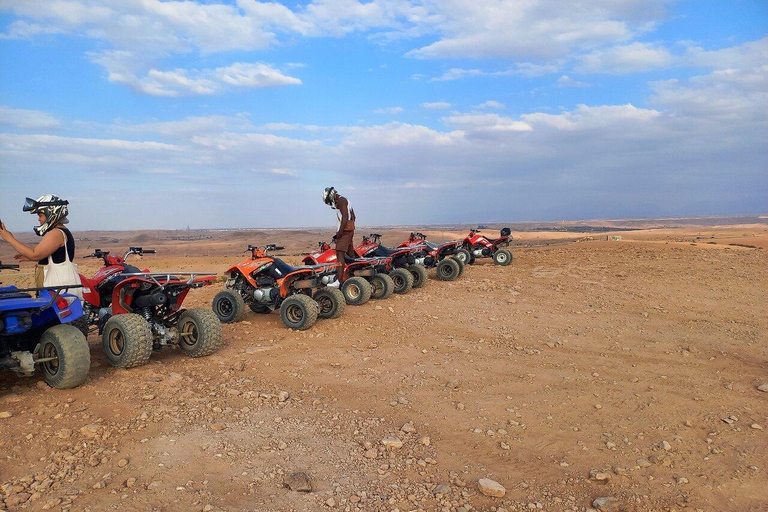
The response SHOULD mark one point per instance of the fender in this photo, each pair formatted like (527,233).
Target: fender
(286,282)
(90,295)
(247,267)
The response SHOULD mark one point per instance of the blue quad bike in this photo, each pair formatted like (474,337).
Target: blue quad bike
(37,330)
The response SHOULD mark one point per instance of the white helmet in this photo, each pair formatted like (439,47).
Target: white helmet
(53,207)
(329,197)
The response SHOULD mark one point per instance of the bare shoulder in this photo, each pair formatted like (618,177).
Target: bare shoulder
(342,202)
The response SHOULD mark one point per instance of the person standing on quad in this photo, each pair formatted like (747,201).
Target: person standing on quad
(55,252)
(346,230)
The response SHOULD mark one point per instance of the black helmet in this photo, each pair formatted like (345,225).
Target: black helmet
(53,207)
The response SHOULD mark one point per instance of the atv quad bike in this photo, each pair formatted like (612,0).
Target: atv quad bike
(442,256)
(407,258)
(37,330)
(138,311)
(479,246)
(365,278)
(265,283)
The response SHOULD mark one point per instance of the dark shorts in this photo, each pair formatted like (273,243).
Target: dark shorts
(344,242)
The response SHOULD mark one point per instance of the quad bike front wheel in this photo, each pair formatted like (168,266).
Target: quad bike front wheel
(502,257)
(229,306)
(127,340)
(419,273)
(331,302)
(299,312)
(356,291)
(403,280)
(463,256)
(448,269)
(199,332)
(382,286)
(65,356)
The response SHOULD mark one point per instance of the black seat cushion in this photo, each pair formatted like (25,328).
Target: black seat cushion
(282,268)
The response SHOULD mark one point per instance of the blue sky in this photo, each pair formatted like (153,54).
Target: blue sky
(163,114)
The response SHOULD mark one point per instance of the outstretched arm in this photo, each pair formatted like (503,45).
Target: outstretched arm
(51,241)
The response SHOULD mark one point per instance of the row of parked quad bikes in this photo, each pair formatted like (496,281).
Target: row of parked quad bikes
(138,311)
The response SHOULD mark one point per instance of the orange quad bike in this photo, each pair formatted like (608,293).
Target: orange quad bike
(266,283)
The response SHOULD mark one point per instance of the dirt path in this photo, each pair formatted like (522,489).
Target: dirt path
(638,361)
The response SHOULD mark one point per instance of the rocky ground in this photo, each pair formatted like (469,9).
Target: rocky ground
(633,370)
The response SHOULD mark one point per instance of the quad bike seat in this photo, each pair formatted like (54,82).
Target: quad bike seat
(431,245)
(283,268)
(386,251)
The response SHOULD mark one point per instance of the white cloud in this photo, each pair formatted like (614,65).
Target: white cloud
(388,110)
(436,105)
(486,123)
(629,58)
(27,119)
(540,29)
(122,69)
(566,81)
(456,74)
(748,55)
(492,104)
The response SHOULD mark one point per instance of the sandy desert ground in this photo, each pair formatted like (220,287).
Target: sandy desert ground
(627,369)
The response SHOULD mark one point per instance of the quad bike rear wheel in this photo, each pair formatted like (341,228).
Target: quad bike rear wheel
(463,256)
(502,257)
(382,286)
(229,306)
(199,332)
(299,312)
(403,280)
(448,269)
(356,291)
(127,340)
(461,266)
(331,302)
(70,357)
(419,273)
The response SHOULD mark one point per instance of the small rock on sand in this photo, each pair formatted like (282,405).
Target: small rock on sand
(298,482)
(491,488)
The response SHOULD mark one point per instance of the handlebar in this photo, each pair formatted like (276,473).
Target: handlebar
(375,237)
(98,253)
(9,266)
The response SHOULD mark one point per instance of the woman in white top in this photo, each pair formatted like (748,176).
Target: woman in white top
(55,251)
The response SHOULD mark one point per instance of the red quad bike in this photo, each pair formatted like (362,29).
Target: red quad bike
(137,311)
(364,278)
(479,246)
(266,283)
(442,256)
(407,258)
